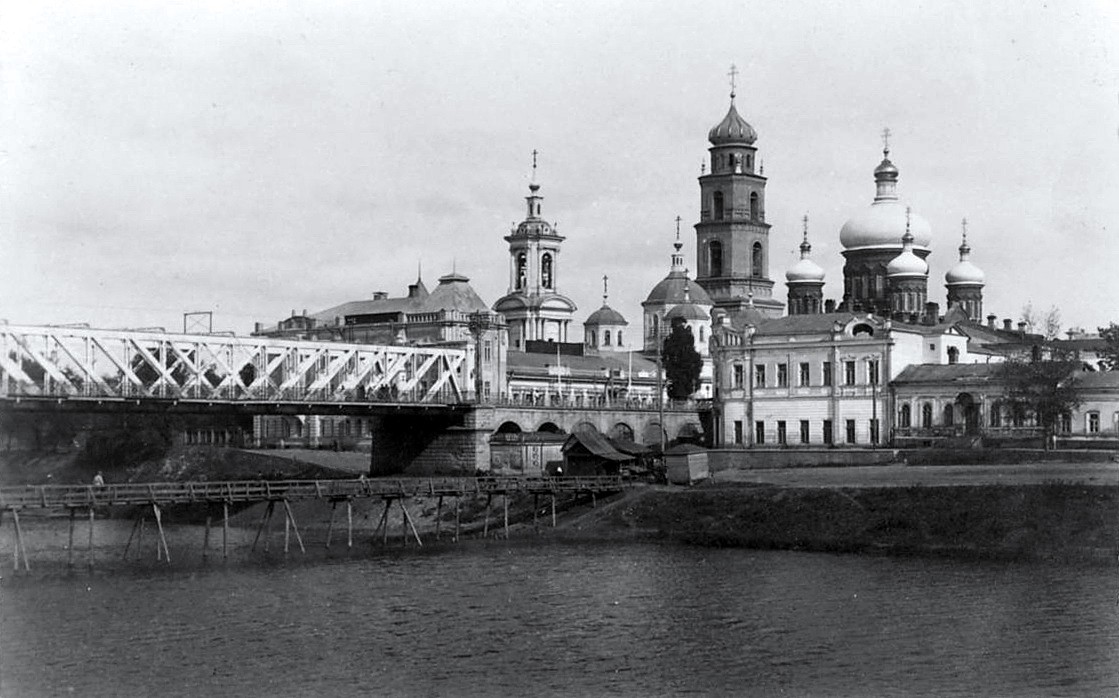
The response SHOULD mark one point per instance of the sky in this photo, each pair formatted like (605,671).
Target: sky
(250,159)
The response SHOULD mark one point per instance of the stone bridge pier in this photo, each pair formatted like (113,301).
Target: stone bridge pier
(460,442)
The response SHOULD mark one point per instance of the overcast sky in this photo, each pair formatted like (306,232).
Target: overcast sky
(251,158)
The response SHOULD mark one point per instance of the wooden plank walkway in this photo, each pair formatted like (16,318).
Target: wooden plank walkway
(247,491)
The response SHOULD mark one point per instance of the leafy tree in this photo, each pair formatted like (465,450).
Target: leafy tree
(1109,354)
(682,363)
(1044,389)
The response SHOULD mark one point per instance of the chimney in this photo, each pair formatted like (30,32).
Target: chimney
(991,321)
(258,327)
(304,312)
(829,305)
(293,312)
(380,295)
(1022,328)
(932,312)
(1006,325)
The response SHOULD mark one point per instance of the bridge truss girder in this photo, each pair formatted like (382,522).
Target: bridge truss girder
(81,363)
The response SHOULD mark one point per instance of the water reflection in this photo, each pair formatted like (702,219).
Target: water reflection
(565,619)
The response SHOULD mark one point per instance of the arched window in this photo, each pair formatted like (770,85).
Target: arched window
(702,333)
(926,415)
(546,270)
(996,415)
(655,326)
(749,163)
(754,205)
(522,270)
(953,355)
(718,200)
(904,419)
(715,258)
(949,415)
(758,262)
(619,338)
(606,338)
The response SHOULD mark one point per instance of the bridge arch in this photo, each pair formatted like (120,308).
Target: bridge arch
(509,427)
(621,430)
(584,427)
(549,428)
(652,433)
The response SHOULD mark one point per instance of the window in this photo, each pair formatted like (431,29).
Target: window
(759,432)
(522,264)
(805,375)
(487,350)
(874,431)
(754,210)
(1064,426)
(606,338)
(546,271)
(738,379)
(949,416)
(758,261)
(905,418)
(782,375)
(850,431)
(996,415)
(926,415)
(715,258)
(848,372)
(759,376)
(953,355)
(738,431)
(804,431)
(829,439)
(618,339)
(702,333)
(782,436)
(827,373)
(872,371)
(718,198)
(1093,422)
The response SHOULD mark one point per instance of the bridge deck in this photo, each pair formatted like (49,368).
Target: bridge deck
(248,491)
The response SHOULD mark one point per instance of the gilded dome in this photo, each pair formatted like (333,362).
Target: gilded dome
(732,129)
(907,263)
(965,273)
(804,270)
(884,222)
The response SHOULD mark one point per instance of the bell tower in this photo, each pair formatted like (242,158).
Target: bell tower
(732,237)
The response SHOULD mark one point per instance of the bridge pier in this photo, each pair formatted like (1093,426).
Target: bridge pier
(439,444)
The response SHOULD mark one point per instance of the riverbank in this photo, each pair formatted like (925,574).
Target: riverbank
(1052,522)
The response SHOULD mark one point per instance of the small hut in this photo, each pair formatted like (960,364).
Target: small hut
(686,464)
(589,453)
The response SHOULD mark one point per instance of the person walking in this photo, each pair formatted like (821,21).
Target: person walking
(98,480)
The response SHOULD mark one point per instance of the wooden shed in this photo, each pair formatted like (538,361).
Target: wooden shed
(589,453)
(686,464)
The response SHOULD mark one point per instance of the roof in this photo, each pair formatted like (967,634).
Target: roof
(684,449)
(605,316)
(630,447)
(596,444)
(453,293)
(1099,380)
(948,373)
(590,362)
(807,324)
(670,289)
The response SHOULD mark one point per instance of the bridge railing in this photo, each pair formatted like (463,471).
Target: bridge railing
(247,491)
(83,363)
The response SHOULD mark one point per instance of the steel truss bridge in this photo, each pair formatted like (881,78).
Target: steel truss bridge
(86,367)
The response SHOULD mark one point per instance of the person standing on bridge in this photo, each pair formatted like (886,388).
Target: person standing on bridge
(98,480)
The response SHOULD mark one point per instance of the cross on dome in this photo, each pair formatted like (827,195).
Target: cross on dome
(733,84)
(886,141)
(605,293)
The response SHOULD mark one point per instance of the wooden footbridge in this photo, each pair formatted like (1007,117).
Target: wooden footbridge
(157,496)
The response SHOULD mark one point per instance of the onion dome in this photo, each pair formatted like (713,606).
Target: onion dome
(964,272)
(805,270)
(733,129)
(883,222)
(907,263)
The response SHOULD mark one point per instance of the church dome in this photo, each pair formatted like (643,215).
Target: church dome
(687,311)
(965,273)
(804,270)
(884,222)
(677,288)
(907,263)
(606,316)
(732,129)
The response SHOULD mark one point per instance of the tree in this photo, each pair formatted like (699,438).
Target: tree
(1109,353)
(682,363)
(1045,390)
(1047,324)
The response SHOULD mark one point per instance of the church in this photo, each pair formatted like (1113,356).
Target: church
(804,371)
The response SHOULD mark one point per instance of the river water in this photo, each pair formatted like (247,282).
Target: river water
(559,619)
